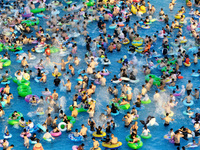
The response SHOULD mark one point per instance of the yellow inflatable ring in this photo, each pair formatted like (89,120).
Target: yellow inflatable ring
(113,146)
(187,65)
(99,135)
(96,148)
(179,17)
(27,78)
(183,41)
(59,74)
(21,125)
(133,9)
(168,80)
(137,42)
(178,26)
(126,42)
(140,49)
(143,9)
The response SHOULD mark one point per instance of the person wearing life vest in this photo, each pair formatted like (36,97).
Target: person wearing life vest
(147,48)
(187,60)
(47,51)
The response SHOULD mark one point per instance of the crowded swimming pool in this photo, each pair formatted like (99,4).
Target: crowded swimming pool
(101,96)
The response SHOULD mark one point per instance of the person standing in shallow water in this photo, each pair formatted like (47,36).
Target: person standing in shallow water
(167,120)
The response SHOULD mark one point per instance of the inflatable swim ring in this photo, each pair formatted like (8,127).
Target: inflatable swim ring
(99,135)
(137,42)
(38,10)
(139,108)
(179,17)
(55,134)
(188,114)
(28,98)
(115,114)
(79,109)
(62,126)
(15,121)
(59,74)
(6,62)
(146,102)
(187,65)
(188,104)
(112,146)
(146,137)
(75,139)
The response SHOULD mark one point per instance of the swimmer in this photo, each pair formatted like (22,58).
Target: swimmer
(47,135)
(95,144)
(167,120)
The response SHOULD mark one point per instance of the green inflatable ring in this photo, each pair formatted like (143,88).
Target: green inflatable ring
(165,69)
(146,137)
(79,109)
(23,87)
(31,22)
(6,62)
(90,3)
(15,80)
(171,62)
(110,6)
(69,2)
(1,49)
(38,10)
(24,92)
(54,49)
(158,61)
(123,107)
(135,145)
(156,80)
(146,102)
(72,119)
(16,121)
(56,3)
(11,48)
(123,97)
(128,137)
(23,82)
(1,44)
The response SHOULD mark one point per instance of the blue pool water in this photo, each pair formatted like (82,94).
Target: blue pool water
(102,97)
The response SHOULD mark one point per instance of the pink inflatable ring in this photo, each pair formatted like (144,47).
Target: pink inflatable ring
(56,134)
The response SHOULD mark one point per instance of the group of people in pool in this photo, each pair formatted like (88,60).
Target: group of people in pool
(60,33)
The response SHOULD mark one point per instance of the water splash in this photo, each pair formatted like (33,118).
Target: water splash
(101,99)
(30,114)
(63,102)
(16,126)
(136,92)
(62,88)
(159,103)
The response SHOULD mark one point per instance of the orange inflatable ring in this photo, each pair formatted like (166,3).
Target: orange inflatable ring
(37,148)
(180,77)
(121,25)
